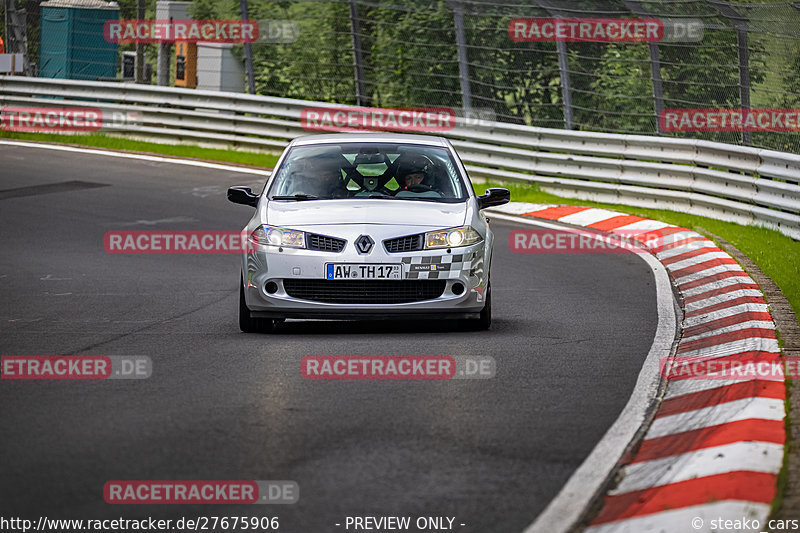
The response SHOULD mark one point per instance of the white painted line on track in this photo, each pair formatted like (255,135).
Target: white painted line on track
(642,226)
(724,282)
(744,324)
(743,455)
(725,311)
(691,261)
(688,247)
(587,217)
(141,157)
(749,344)
(518,208)
(744,409)
(708,275)
(568,506)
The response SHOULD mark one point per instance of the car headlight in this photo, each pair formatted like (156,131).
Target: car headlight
(451,238)
(275,236)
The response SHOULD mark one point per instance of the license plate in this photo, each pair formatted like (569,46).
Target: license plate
(360,271)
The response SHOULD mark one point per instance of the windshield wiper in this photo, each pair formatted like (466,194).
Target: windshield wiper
(379,195)
(298,197)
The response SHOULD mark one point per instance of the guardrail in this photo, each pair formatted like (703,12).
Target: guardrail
(726,182)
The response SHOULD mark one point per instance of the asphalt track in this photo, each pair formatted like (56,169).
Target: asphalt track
(569,336)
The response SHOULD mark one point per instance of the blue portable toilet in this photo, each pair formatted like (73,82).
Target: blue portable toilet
(72,45)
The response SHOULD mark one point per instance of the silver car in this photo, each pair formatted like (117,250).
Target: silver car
(366,226)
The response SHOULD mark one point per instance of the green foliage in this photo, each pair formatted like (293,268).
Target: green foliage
(413,56)
(621,96)
(410,59)
(319,65)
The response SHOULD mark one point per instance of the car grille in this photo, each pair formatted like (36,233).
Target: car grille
(324,243)
(409,243)
(363,291)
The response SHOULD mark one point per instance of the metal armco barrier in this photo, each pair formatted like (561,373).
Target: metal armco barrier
(726,182)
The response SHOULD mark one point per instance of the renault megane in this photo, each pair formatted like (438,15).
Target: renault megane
(371,226)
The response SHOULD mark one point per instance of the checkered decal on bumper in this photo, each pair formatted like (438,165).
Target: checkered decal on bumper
(448,266)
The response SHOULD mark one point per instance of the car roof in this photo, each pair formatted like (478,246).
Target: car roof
(367,136)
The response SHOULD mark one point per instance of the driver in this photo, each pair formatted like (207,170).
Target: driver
(412,173)
(414,178)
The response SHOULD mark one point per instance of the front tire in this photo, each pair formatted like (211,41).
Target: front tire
(249,324)
(484,321)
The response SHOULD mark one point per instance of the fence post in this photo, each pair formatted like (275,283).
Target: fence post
(655,66)
(139,69)
(744,75)
(358,56)
(563,66)
(248,53)
(743,54)
(463,65)
(566,92)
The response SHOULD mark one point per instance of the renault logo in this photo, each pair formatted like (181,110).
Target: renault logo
(364,244)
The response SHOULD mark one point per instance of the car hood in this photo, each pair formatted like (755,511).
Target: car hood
(366,211)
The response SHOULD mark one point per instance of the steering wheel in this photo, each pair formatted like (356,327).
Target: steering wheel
(420,187)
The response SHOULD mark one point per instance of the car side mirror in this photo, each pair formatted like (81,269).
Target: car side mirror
(492,197)
(242,195)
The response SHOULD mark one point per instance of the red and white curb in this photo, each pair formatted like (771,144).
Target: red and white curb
(714,448)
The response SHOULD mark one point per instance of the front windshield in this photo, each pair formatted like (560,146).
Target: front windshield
(368,170)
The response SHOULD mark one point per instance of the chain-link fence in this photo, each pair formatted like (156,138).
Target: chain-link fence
(461,54)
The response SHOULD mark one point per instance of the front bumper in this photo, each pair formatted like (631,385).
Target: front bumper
(461,271)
